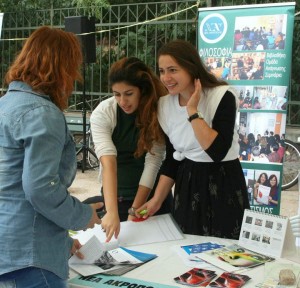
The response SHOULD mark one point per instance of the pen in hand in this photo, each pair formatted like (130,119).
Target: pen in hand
(143,212)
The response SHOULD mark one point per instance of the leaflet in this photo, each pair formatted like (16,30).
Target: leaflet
(111,262)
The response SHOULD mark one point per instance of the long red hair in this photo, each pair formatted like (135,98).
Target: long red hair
(49,62)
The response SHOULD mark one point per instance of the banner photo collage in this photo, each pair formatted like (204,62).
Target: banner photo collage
(250,47)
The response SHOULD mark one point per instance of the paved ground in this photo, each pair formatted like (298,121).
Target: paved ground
(86,185)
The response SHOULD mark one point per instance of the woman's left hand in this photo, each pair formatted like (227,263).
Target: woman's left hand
(192,105)
(75,249)
(130,218)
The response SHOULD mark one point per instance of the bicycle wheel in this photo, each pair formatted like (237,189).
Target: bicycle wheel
(291,165)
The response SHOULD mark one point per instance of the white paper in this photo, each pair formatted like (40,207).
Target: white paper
(155,229)
(84,236)
(92,250)
(159,228)
(263,194)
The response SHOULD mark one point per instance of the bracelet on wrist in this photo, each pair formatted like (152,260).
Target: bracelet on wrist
(131,211)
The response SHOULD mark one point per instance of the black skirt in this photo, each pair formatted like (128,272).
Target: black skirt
(210,198)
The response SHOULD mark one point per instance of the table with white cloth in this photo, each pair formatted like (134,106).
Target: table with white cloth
(169,264)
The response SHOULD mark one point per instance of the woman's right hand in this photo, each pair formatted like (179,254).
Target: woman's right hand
(111,225)
(150,208)
(193,102)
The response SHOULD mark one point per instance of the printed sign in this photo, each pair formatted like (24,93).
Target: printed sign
(249,46)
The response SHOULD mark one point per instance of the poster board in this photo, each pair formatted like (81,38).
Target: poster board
(249,46)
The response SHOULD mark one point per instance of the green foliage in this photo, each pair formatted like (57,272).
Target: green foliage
(22,5)
(138,39)
(92,7)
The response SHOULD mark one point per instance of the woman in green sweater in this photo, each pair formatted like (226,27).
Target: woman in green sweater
(128,141)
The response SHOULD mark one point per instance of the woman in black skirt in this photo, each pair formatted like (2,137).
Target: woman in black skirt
(198,117)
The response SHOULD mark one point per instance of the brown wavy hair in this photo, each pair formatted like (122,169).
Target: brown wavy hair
(136,73)
(187,56)
(49,62)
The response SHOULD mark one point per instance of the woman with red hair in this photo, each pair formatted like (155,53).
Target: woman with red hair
(38,164)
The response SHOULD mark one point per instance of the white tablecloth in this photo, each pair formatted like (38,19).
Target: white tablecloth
(169,264)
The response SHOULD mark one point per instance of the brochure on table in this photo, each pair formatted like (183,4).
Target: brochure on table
(234,258)
(189,253)
(113,262)
(268,234)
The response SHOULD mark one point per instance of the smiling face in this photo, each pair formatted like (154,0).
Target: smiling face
(174,77)
(127,96)
(273,181)
(262,178)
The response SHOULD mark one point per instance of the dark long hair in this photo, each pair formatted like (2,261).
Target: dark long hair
(187,56)
(136,73)
(259,178)
(273,190)
(49,62)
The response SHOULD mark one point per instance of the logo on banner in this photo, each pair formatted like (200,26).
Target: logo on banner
(213,28)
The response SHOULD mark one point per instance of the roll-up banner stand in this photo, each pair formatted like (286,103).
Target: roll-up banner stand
(250,47)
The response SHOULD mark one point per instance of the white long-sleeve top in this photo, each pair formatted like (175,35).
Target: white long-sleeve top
(103,121)
(173,120)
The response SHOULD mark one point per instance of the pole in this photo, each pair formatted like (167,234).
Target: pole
(83,121)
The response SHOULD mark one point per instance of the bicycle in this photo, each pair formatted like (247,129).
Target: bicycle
(91,157)
(291,165)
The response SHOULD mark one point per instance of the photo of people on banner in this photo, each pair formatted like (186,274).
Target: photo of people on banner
(263,189)
(260,33)
(261,137)
(241,66)
(263,97)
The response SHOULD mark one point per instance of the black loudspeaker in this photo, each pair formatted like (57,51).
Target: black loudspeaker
(80,25)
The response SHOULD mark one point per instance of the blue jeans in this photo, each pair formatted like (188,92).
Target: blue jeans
(31,277)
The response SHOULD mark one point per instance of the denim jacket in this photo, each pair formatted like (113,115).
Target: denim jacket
(37,165)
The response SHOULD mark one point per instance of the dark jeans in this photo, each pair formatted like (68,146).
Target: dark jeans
(31,277)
